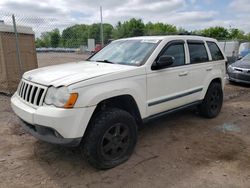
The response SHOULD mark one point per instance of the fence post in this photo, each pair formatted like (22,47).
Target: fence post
(17,46)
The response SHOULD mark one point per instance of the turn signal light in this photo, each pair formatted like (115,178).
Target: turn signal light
(72,100)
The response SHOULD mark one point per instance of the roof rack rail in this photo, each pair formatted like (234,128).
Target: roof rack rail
(185,33)
(189,33)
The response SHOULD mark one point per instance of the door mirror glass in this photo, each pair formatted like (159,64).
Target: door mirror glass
(164,61)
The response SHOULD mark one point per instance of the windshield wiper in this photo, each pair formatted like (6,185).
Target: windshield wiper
(105,61)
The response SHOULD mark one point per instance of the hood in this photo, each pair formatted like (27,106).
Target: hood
(245,64)
(66,74)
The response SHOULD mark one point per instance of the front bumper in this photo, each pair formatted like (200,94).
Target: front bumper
(64,125)
(49,135)
(239,77)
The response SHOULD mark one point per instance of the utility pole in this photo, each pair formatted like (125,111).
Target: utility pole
(101,33)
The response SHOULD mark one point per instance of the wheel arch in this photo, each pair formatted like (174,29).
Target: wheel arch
(215,79)
(124,102)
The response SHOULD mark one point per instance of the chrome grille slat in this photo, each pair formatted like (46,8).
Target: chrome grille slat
(20,88)
(43,96)
(27,92)
(21,93)
(32,93)
(39,96)
(24,89)
(36,96)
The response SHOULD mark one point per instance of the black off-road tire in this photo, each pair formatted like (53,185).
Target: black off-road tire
(105,144)
(212,103)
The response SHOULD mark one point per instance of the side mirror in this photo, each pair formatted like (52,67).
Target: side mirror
(164,61)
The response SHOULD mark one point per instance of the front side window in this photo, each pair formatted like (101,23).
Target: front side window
(177,51)
(198,53)
(215,51)
(128,52)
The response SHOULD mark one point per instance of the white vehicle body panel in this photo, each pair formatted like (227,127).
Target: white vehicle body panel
(70,73)
(96,82)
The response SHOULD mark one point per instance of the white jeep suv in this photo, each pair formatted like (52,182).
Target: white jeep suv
(99,103)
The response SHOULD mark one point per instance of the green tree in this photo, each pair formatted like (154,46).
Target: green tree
(78,34)
(159,29)
(133,27)
(75,36)
(39,43)
(215,32)
(107,32)
(94,32)
(236,34)
(49,39)
(55,38)
(45,37)
(248,36)
(182,31)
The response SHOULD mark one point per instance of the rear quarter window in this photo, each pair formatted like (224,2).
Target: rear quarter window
(198,52)
(215,51)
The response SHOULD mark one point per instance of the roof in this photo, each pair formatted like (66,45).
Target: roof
(20,29)
(170,37)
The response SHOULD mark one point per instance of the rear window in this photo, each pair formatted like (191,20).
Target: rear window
(198,52)
(215,51)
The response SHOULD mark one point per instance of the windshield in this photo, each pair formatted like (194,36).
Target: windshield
(247,57)
(128,52)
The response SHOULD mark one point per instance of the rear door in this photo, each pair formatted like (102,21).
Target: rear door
(199,67)
(171,87)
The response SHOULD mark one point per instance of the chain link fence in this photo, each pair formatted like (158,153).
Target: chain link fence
(30,42)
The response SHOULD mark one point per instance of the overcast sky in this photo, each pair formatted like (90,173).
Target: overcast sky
(189,14)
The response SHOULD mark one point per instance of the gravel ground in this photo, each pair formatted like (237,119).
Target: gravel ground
(180,150)
(46,59)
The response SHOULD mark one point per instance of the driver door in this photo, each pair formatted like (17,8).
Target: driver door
(169,88)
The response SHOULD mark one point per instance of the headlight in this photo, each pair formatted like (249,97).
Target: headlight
(230,68)
(60,97)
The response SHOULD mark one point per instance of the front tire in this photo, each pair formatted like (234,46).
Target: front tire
(110,139)
(212,103)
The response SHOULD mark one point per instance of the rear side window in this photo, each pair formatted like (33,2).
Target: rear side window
(177,51)
(215,51)
(198,52)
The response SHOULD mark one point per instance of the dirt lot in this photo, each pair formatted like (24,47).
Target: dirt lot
(46,59)
(181,150)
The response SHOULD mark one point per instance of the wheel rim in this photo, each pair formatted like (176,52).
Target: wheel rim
(115,141)
(215,101)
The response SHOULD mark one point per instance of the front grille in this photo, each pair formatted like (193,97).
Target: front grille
(31,93)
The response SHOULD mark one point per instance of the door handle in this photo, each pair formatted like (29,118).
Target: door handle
(209,68)
(183,73)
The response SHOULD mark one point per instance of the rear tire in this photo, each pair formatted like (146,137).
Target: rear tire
(111,138)
(212,103)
